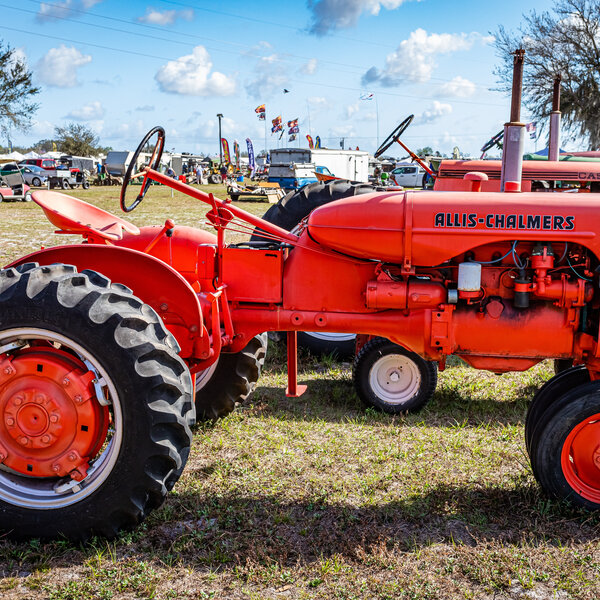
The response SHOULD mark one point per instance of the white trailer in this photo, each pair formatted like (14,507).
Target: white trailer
(295,167)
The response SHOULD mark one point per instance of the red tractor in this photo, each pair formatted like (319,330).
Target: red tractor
(500,279)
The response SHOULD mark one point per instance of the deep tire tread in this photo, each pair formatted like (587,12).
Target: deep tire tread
(91,299)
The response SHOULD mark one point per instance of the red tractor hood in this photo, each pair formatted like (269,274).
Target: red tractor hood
(429,228)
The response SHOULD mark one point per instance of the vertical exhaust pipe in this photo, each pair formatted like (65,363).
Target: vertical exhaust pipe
(514,132)
(554,138)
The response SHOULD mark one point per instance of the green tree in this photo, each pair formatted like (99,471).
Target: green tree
(562,42)
(77,139)
(16,91)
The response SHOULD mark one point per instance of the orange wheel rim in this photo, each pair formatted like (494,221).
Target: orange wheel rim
(580,458)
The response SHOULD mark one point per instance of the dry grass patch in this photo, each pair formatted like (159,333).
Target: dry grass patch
(318,498)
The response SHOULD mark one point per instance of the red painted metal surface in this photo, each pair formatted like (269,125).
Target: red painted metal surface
(50,421)
(580,459)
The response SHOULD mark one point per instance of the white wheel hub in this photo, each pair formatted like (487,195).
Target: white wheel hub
(395,379)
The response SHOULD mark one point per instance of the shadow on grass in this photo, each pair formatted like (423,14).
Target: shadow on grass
(236,528)
(335,401)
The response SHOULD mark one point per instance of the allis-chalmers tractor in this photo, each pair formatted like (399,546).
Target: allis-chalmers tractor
(95,393)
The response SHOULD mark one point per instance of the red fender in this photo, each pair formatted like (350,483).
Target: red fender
(150,279)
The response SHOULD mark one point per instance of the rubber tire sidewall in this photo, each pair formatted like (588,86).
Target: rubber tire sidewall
(374,350)
(567,413)
(115,505)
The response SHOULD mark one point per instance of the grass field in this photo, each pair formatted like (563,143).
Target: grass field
(317,498)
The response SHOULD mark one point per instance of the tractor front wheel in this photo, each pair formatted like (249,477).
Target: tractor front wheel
(565,454)
(231,379)
(95,405)
(392,379)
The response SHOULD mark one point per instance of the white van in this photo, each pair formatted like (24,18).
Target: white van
(408,176)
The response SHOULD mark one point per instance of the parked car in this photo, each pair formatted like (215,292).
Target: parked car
(408,176)
(45,163)
(34,175)
(12,185)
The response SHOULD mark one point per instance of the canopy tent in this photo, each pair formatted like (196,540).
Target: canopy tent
(31,154)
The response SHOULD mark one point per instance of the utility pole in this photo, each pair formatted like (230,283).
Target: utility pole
(220,116)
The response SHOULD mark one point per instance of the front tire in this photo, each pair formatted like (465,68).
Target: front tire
(390,378)
(564,453)
(36,182)
(95,405)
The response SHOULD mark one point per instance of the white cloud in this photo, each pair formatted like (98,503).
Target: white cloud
(42,128)
(318,103)
(351,110)
(191,75)
(328,15)
(309,67)
(166,17)
(90,112)
(270,77)
(342,131)
(414,59)
(459,87)
(62,9)
(435,112)
(59,66)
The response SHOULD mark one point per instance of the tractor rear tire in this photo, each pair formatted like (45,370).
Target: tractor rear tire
(59,319)
(391,379)
(231,380)
(564,448)
(549,393)
(287,213)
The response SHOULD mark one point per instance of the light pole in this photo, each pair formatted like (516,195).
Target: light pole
(220,116)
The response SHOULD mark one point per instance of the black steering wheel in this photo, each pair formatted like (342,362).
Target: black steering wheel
(394,136)
(153,164)
(495,141)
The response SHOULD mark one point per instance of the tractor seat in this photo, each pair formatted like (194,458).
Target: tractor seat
(71,215)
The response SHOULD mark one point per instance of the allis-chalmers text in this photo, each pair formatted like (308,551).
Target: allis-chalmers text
(502,221)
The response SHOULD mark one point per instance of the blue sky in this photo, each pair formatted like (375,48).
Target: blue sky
(121,67)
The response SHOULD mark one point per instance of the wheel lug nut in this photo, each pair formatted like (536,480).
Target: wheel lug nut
(53,418)
(78,399)
(24,440)
(10,422)
(19,400)
(45,439)
(66,381)
(56,468)
(72,457)
(39,399)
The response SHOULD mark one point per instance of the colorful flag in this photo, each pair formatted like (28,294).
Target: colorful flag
(260,109)
(276,128)
(292,137)
(367,96)
(276,121)
(531,129)
(282,132)
(261,116)
(226,155)
(293,123)
(251,162)
(311,144)
(236,152)
(294,129)
(318,142)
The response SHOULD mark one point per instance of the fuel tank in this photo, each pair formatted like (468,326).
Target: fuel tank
(429,228)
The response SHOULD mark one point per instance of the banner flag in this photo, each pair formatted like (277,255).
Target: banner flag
(367,96)
(318,142)
(226,155)
(276,128)
(276,121)
(293,123)
(294,129)
(261,116)
(260,109)
(251,162)
(236,152)
(531,129)
(292,137)
(282,131)
(311,144)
